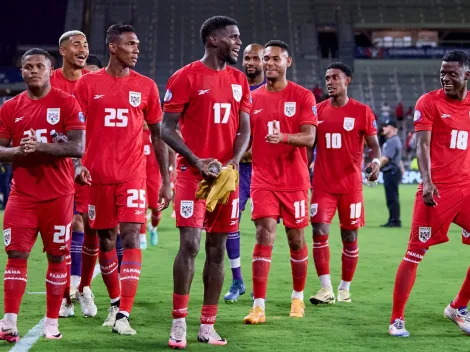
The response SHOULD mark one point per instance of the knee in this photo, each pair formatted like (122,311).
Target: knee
(190,247)
(55,258)
(349,235)
(130,237)
(77,223)
(295,239)
(18,255)
(320,229)
(265,236)
(107,242)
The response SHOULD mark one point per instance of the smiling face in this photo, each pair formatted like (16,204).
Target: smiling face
(36,71)
(453,78)
(75,51)
(276,60)
(126,49)
(253,61)
(336,82)
(228,43)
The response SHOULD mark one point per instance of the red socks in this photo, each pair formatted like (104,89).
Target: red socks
(208,314)
(180,306)
(406,275)
(56,278)
(260,269)
(14,279)
(321,254)
(299,265)
(90,251)
(464,294)
(130,274)
(109,265)
(349,259)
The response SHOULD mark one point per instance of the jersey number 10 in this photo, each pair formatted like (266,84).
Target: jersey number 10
(333,140)
(458,140)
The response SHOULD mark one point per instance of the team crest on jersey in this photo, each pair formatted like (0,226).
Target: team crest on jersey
(135,98)
(314,110)
(168,95)
(53,115)
(348,123)
(237,92)
(289,108)
(187,208)
(7,237)
(424,234)
(313,209)
(465,233)
(417,115)
(91,212)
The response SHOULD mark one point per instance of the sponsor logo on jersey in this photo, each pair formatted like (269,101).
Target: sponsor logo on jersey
(81,117)
(7,237)
(417,115)
(187,208)
(53,115)
(233,222)
(313,209)
(139,212)
(98,96)
(424,234)
(348,123)
(289,108)
(135,98)
(465,233)
(91,212)
(314,110)
(18,119)
(445,116)
(203,91)
(168,95)
(257,111)
(237,92)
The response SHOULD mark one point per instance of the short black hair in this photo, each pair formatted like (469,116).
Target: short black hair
(340,66)
(116,30)
(278,43)
(214,23)
(94,60)
(457,56)
(35,51)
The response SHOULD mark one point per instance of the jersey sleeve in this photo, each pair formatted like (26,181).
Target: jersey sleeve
(5,131)
(80,92)
(153,110)
(371,123)
(308,110)
(424,114)
(73,116)
(177,93)
(245,104)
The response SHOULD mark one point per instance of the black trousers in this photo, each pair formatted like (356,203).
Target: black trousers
(392,179)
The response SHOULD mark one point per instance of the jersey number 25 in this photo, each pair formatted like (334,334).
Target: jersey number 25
(115,117)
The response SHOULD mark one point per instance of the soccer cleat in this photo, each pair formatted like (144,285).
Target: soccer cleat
(51,329)
(344,296)
(324,296)
(207,334)
(177,339)
(237,288)
(461,317)
(122,327)
(8,331)
(66,310)
(87,303)
(397,329)
(255,316)
(111,319)
(153,236)
(297,308)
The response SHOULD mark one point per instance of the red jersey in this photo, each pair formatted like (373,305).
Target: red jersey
(449,123)
(152,164)
(209,102)
(115,109)
(280,166)
(340,146)
(40,176)
(59,81)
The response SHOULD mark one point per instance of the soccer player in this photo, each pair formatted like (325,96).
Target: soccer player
(41,199)
(73,47)
(211,102)
(283,124)
(153,185)
(253,65)
(343,125)
(442,126)
(93,63)
(115,101)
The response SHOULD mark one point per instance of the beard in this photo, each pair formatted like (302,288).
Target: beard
(255,74)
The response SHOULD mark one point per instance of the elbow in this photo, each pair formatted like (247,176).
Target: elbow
(310,141)
(79,151)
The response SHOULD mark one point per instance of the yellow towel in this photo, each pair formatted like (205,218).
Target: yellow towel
(218,190)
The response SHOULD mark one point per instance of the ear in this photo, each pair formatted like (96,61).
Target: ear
(289,61)
(467,75)
(112,48)
(348,80)
(213,41)
(62,51)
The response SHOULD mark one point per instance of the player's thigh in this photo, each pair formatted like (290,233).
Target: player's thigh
(190,212)
(264,204)
(20,224)
(351,210)
(226,217)
(102,208)
(55,225)
(131,201)
(294,208)
(323,207)
(153,187)
(430,225)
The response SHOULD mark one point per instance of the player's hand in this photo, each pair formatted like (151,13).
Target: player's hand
(30,144)
(82,175)
(164,196)
(375,170)
(203,167)
(234,163)
(276,137)
(429,191)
